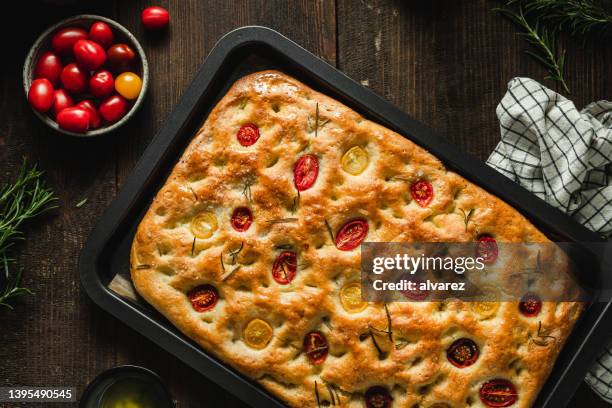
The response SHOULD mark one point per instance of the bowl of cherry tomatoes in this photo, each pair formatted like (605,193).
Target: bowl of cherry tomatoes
(86,76)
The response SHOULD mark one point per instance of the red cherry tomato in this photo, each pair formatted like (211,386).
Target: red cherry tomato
(73,119)
(40,95)
(498,393)
(203,297)
(417,294)
(487,249)
(89,54)
(48,66)
(101,84)
(248,134)
(315,347)
(285,267)
(94,116)
(530,304)
(351,234)
(121,58)
(74,78)
(61,101)
(101,33)
(422,192)
(462,353)
(305,172)
(155,18)
(378,397)
(113,108)
(242,219)
(64,39)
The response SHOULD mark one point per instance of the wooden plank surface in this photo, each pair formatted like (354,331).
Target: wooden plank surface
(445,62)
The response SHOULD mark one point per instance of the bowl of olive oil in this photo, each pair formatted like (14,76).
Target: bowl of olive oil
(127,387)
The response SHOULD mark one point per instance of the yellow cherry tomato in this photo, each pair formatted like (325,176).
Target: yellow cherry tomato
(350,298)
(488,305)
(355,160)
(485,310)
(128,85)
(257,334)
(203,225)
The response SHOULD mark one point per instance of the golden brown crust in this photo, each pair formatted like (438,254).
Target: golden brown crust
(216,174)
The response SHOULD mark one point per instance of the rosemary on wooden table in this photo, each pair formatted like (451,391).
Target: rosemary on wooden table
(20,201)
(542,39)
(580,16)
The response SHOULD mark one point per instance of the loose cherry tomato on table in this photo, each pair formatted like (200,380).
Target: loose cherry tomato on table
(128,85)
(113,108)
(101,84)
(48,66)
(121,57)
(89,54)
(73,119)
(94,116)
(101,33)
(64,39)
(74,78)
(155,18)
(40,95)
(61,101)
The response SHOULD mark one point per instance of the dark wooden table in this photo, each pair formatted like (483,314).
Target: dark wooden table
(445,62)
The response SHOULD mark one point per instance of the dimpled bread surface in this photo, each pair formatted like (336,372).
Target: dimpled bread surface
(217,174)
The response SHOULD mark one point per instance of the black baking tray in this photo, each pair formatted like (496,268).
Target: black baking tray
(249,49)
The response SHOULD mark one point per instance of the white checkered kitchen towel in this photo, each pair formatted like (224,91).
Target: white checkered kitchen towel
(563,156)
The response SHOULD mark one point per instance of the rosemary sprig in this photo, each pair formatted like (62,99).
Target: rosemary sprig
(389,323)
(13,287)
(329,230)
(81,203)
(543,40)
(246,190)
(296,202)
(580,16)
(466,217)
(230,273)
(282,220)
(381,354)
(195,195)
(542,339)
(318,123)
(20,201)
(233,254)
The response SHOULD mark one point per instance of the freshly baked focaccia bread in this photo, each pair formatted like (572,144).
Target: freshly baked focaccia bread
(251,249)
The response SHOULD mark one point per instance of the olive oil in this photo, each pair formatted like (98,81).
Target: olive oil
(131,392)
